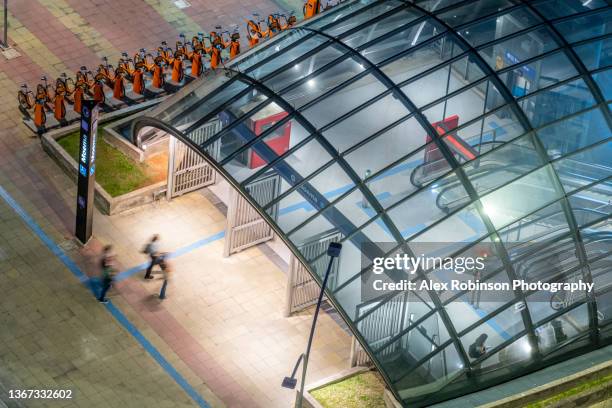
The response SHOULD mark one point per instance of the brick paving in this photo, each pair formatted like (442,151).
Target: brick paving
(232,350)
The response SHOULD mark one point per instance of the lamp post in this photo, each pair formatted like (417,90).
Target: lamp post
(289,382)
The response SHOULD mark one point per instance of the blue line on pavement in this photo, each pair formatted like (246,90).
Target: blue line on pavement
(181,251)
(116,313)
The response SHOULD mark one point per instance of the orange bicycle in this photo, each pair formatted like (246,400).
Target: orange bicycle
(286,22)
(26,98)
(234,48)
(40,115)
(178,72)
(254,31)
(274,25)
(138,81)
(197,65)
(145,58)
(158,74)
(66,86)
(311,8)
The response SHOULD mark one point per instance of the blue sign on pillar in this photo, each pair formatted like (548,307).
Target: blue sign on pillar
(87,170)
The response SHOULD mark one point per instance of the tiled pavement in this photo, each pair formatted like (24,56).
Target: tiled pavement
(223,316)
(55,336)
(215,332)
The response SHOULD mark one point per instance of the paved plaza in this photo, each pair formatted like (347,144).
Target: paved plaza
(220,338)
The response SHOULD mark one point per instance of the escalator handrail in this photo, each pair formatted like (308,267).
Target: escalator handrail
(442,160)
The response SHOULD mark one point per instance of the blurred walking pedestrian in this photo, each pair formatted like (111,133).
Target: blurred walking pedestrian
(108,272)
(167,272)
(152,249)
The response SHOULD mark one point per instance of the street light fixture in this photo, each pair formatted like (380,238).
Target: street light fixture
(290,382)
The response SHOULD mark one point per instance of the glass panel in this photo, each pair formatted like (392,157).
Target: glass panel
(305,67)
(303,161)
(338,12)
(435,5)
(573,133)
(408,175)
(483,135)
(373,31)
(560,8)
(362,17)
(596,54)
(423,209)
(287,56)
(422,59)
(321,83)
(585,167)
(403,356)
(401,41)
(517,49)
(603,79)
(345,216)
(547,71)
(492,332)
(385,149)
(501,165)
(548,260)
(542,304)
(342,101)
(507,358)
(250,129)
(521,197)
(466,105)
(200,110)
(366,122)
(457,229)
(563,328)
(534,230)
(492,28)
(464,14)
(558,102)
(597,240)
(592,203)
(170,115)
(582,28)
(280,42)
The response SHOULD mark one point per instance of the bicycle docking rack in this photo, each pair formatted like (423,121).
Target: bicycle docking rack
(145,76)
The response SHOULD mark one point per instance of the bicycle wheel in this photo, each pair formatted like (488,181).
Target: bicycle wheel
(22,97)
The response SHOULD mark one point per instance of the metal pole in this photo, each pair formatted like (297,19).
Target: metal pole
(314,323)
(6,23)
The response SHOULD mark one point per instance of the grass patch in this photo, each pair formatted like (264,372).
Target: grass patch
(573,391)
(115,172)
(363,390)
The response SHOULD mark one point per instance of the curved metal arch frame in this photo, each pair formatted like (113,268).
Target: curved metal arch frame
(145,121)
(520,114)
(460,173)
(369,196)
(491,75)
(596,92)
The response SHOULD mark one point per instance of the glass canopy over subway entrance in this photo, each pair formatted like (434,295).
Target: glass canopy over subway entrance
(391,124)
